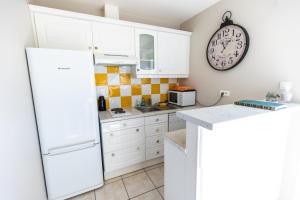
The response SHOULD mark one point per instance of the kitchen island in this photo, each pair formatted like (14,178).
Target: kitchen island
(231,153)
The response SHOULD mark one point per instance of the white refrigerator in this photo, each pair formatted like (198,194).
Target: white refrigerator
(64,93)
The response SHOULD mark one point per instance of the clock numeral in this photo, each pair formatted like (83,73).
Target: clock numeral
(225,32)
(239,44)
(214,43)
(213,58)
(223,64)
(212,50)
(236,54)
(230,60)
(238,35)
(233,32)
(219,36)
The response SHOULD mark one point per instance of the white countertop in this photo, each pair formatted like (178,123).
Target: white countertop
(105,116)
(209,117)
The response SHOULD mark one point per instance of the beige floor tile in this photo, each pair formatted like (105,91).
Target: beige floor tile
(85,196)
(152,195)
(113,180)
(138,184)
(157,176)
(154,166)
(112,191)
(161,190)
(133,173)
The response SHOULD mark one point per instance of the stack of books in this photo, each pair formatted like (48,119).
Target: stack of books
(261,104)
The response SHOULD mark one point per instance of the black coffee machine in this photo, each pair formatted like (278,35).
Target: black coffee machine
(102,104)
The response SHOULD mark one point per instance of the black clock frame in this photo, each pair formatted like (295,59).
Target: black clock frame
(228,22)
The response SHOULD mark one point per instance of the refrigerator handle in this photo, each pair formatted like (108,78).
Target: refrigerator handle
(72,147)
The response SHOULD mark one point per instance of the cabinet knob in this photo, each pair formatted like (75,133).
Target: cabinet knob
(124,124)
(137,130)
(111,134)
(157,152)
(96,48)
(157,120)
(157,130)
(113,154)
(90,48)
(138,70)
(157,141)
(138,148)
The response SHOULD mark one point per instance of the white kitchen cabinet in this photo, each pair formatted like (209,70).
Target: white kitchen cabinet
(124,158)
(113,39)
(155,152)
(146,51)
(123,139)
(63,32)
(161,52)
(173,54)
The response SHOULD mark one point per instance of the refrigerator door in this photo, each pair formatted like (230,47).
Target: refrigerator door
(72,173)
(64,92)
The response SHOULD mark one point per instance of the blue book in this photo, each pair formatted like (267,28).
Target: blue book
(261,104)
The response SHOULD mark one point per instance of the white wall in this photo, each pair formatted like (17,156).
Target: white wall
(274,30)
(20,163)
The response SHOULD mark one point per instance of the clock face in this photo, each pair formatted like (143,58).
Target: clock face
(227,47)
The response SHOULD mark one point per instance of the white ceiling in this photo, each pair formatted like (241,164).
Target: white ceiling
(170,13)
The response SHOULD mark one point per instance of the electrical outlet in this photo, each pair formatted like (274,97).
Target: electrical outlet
(225,93)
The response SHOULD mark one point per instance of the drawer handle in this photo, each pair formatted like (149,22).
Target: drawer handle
(157,152)
(157,120)
(111,134)
(157,141)
(137,130)
(113,154)
(157,130)
(138,148)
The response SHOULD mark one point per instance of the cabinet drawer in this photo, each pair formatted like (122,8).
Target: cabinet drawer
(156,119)
(154,141)
(154,152)
(123,139)
(124,124)
(123,158)
(156,129)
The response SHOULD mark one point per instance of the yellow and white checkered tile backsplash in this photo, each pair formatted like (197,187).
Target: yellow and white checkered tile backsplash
(121,90)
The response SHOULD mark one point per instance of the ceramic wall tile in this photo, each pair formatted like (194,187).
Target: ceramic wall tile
(120,89)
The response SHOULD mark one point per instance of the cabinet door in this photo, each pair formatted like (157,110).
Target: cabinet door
(173,54)
(146,51)
(113,39)
(63,32)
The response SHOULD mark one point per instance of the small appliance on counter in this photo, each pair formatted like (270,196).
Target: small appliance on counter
(182,96)
(102,104)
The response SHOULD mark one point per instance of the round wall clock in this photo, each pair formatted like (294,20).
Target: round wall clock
(228,45)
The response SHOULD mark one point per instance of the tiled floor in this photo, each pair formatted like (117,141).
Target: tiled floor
(145,184)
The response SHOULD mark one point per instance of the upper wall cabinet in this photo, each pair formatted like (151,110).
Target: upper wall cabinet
(63,32)
(146,51)
(173,53)
(161,52)
(113,39)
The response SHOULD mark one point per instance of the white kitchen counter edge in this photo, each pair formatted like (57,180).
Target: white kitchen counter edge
(105,116)
(211,116)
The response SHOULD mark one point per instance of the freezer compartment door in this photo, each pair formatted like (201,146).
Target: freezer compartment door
(72,173)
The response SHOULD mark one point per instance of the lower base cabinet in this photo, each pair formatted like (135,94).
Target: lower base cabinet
(124,158)
(133,141)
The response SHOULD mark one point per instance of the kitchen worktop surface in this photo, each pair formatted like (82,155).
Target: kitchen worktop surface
(209,117)
(105,116)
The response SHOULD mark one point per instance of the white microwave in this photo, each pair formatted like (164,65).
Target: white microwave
(182,98)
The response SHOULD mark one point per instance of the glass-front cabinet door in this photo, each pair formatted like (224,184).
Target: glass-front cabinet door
(146,51)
